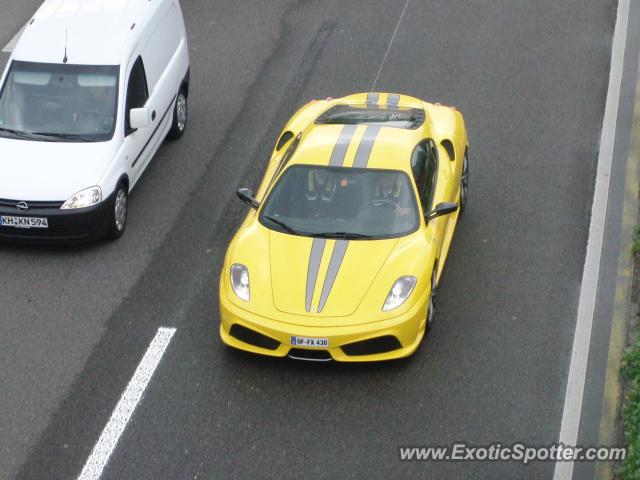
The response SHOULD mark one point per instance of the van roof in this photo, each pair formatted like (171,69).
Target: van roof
(96,32)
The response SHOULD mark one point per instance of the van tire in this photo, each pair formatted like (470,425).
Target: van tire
(118,216)
(180,115)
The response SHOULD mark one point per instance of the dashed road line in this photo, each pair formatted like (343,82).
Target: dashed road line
(126,406)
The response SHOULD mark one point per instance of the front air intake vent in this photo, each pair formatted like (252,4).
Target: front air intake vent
(252,337)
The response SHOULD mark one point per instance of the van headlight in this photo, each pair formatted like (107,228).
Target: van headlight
(400,291)
(240,281)
(86,198)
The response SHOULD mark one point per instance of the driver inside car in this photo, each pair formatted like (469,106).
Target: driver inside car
(94,110)
(321,190)
(389,192)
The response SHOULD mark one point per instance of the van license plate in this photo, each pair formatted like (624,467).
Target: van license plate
(24,222)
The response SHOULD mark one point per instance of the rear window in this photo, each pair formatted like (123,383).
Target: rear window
(398,117)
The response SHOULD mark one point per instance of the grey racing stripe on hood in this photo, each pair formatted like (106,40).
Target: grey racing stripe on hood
(337,256)
(393,100)
(317,249)
(366,145)
(342,145)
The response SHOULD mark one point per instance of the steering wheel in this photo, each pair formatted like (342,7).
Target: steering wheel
(383,203)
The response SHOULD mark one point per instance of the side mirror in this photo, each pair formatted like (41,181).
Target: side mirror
(443,208)
(246,195)
(139,118)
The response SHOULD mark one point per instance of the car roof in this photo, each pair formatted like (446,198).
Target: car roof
(96,32)
(363,145)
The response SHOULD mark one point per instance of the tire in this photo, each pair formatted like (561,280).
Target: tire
(180,116)
(118,217)
(464,183)
(432,299)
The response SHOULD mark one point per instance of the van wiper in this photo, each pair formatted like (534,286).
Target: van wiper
(26,135)
(342,235)
(65,136)
(290,230)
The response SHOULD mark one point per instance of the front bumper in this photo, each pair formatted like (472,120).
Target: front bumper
(65,226)
(408,329)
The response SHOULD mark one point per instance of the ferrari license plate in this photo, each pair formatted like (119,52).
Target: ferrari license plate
(24,222)
(309,342)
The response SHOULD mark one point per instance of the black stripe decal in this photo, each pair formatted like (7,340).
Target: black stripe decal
(317,249)
(154,132)
(341,146)
(365,147)
(339,251)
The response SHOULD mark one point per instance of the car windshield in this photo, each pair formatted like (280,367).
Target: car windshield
(339,202)
(54,102)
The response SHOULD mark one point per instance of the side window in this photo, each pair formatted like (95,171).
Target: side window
(286,156)
(419,165)
(426,196)
(137,91)
(424,165)
(289,153)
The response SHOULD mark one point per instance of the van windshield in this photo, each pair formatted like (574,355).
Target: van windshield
(54,102)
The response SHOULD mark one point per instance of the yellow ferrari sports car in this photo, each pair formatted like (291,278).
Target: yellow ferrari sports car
(340,254)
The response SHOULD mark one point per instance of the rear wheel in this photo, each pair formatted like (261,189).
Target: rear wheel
(118,220)
(464,183)
(180,114)
(432,298)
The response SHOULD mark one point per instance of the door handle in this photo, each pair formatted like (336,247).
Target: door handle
(153,116)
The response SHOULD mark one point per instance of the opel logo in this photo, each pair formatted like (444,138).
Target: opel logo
(22,206)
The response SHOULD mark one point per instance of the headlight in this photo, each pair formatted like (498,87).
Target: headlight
(85,198)
(399,293)
(240,281)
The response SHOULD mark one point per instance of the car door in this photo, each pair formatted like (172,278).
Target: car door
(136,140)
(424,165)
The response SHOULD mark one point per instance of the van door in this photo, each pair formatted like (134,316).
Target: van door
(159,47)
(137,96)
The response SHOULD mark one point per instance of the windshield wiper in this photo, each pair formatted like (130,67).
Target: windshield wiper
(28,135)
(65,136)
(292,231)
(342,235)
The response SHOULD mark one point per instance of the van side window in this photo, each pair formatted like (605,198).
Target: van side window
(137,91)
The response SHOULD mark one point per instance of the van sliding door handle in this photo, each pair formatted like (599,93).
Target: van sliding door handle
(153,116)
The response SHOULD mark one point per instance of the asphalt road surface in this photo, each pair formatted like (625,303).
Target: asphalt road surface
(530,78)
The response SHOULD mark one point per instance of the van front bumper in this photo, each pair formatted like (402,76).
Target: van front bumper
(64,226)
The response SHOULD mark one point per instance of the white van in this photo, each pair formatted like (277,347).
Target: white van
(90,92)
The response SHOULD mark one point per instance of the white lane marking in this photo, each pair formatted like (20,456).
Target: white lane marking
(588,290)
(126,406)
(393,37)
(14,41)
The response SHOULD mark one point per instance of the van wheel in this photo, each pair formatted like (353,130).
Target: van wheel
(180,111)
(118,218)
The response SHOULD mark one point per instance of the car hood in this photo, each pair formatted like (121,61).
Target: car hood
(50,171)
(322,277)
